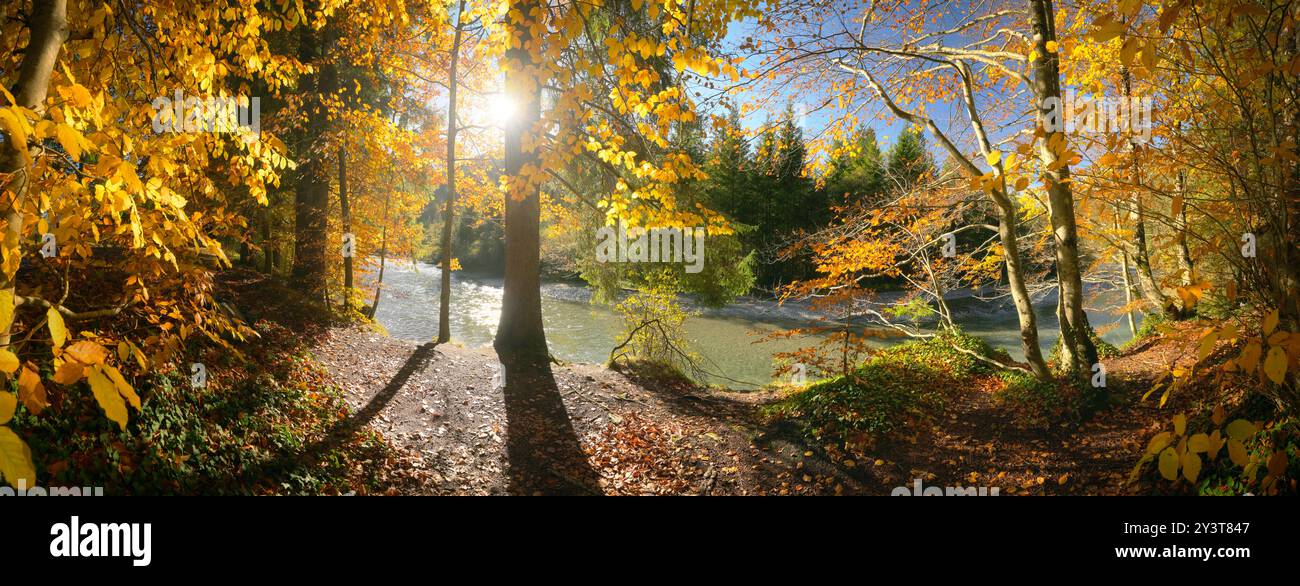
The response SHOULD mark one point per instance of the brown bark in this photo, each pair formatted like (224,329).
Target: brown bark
(449,211)
(49,30)
(520,335)
(345,210)
(311,207)
(1078,353)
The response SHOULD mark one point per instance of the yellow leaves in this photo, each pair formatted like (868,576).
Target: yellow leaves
(70,139)
(87,352)
(1191,466)
(122,386)
(108,397)
(1168,464)
(77,94)
(69,372)
(993,157)
(1207,344)
(1248,360)
(1106,28)
(15,459)
(6,309)
(58,332)
(8,361)
(8,404)
(1275,365)
(1270,322)
(1237,453)
(1129,51)
(15,130)
(30,390)
(1180,424)
(1241,430)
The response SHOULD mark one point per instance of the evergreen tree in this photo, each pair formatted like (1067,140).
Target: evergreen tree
(909,160)
(857,172)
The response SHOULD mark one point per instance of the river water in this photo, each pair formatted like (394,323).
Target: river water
(727,338)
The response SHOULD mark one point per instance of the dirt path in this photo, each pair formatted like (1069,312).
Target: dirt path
(585,429)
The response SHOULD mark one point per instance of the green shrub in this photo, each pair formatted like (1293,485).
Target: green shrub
(896,391)
(1035,403)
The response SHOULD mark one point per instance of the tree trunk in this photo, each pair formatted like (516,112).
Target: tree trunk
(311,208)
(520,335)
(49,29)
(448,214)
(1128,286)
(267,249)
(1185,263)
(1077,351)
(1147,284)
(1007,222)
(345,209)
(383,260)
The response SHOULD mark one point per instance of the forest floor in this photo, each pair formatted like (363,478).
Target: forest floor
(461,423)
(591,429)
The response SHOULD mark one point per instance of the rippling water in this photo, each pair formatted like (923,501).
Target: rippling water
(579,331)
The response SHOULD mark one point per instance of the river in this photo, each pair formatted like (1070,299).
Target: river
(579,331)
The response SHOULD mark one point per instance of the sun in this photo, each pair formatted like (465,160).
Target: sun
(500,108)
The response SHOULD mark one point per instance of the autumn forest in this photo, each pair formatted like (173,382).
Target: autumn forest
(649,247)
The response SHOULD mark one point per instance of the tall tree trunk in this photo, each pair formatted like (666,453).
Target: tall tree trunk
(49,30)
(1078,353)
(1128,286)
(383,260)
(267,256)
(520,335)
(449,211)
(1147,284)
(311,208)
(345,210)
(1007,222)
(1184,254)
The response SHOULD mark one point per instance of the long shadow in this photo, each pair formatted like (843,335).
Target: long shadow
(542,448)
(343,430)
(414,363)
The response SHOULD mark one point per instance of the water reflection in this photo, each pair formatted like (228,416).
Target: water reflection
(579,331)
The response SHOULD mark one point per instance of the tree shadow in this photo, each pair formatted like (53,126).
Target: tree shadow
(542,448)
(341,432)
(414,363)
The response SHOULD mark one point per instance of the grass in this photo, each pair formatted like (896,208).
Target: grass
(898,390)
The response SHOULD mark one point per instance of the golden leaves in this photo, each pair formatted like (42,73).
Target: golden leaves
(8,404)
(15,459)
(8,361)
(15,129)
(70,139)
(30,390)
(58,332)
(109,399)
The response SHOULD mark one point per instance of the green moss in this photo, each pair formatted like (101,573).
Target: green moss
(1036,403)
(895,391)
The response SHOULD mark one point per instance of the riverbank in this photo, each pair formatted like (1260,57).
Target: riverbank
(316,404)
(636,433)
